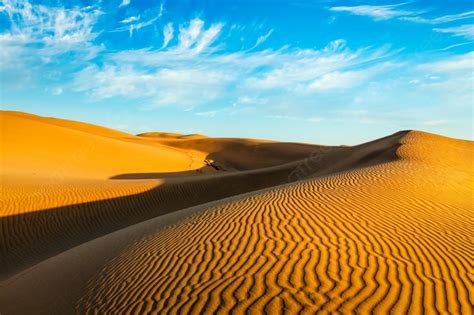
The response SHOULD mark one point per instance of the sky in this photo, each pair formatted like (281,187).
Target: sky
(327,72)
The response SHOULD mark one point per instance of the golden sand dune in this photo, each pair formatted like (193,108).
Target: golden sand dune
(82,181)
(381,227)
(35,146)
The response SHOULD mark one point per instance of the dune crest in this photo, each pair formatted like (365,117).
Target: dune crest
(382,227)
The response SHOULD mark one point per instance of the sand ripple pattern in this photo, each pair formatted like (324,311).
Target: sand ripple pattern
(365,241)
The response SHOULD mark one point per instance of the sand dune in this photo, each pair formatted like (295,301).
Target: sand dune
(381,227)
(82,181)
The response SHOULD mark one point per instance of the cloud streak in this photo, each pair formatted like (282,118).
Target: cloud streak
(466,31)
(133,23)
(396,11)
(377,12)
(124,3)
(168,33)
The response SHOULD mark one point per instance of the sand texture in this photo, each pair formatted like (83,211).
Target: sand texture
(98,221)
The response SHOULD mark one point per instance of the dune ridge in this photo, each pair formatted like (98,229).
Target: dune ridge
(383,227)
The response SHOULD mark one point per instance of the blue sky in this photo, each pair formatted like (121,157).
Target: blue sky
(329,72)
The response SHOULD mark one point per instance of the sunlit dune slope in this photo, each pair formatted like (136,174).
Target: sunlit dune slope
(37,146)
(394,236)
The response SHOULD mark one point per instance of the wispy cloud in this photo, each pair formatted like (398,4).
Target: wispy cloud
(466,31)
(195,72)
(441,19)
(41,35)
(194,37)
(263,38)
(377,12)
(133,24)
(50,25)
(132,27)
(181,87)
(337,80)
(168,33)
(130,19)
(450,65)
(124,3)
(397,11)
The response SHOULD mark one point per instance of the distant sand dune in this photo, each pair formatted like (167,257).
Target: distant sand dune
(384,227)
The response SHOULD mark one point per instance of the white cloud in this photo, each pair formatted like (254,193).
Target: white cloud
(181,87)
(194,72)
(50,25)
(162,9)
(39,37)
(189,35)
(124,3)
(305,70)
(466,31)
(453,85)
(451,65)
(455,45)
(393,11)
(195,36)
(337,80)
(208,37)
(167,34)
(250,100)
(132,27)
(377,12)
(263,38)
(130,19)
(441,19)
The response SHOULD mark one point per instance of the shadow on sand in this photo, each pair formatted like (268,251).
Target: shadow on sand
(29,238)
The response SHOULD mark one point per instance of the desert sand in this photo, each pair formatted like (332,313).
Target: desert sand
(99,221)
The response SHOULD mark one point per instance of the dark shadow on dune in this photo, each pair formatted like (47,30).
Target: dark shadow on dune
(29,238)
(210,168)
(157,175)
